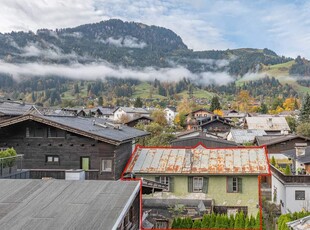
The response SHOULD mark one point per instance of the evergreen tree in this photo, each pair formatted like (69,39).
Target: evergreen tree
(197,224)
(247,224)
(231,222)
(212,220)
(100,101)
(205,223)
(218,221)
(287,170)
(242,219)
(305,110)
(263,108)
(273,161)
(257,220)
(215,104)
(174,223)
(138,103)
(252,222)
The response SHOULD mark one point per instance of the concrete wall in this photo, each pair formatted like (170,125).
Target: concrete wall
(217,191)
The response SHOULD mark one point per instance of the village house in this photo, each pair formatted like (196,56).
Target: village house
(63,204)
(52,144)
(130,113)
(203,180)
(139,120)
(291,192)
(193,118)
(170,114)
(245,136)
(270,124)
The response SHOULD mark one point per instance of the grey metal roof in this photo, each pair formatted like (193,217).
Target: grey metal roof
(63,205)
(199,160)
(210,142)
(91,127)
(302,159)
(14,108)
(267,123)
(106,110)
(275,139)
(300,224)
(241,136)
(133,110)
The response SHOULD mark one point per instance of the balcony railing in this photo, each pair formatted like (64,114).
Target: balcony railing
(290,178)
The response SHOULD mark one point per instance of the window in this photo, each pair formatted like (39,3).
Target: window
(197,184)
(54,132)
(234,184)
(166,180)
(52,159)
(299,195)
(106,165)
(32,132)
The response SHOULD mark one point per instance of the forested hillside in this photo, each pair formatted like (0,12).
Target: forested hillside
(35,66)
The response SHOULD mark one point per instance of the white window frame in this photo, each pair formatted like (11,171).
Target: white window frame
(197,184)
(235,184)
(104,165)
(52,159)
(165,180)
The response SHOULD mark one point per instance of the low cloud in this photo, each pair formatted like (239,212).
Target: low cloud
(104,69)
(51,52)
(128,41)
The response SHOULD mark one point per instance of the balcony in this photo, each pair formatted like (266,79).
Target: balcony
(290,178)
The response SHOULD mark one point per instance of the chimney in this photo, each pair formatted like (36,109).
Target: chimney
(300,149)
(269,122)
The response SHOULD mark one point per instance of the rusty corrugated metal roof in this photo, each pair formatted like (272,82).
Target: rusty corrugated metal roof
(199,160)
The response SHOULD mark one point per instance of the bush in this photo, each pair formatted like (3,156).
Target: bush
(10,152)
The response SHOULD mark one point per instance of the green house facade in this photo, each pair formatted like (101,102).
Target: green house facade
(222,180)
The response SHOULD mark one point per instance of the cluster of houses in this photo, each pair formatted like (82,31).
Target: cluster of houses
(219,164)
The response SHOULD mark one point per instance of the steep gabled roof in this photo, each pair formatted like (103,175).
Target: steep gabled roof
(199,160)
(197,110)
(99,129)
(246,135)
(267,123)
(14,108)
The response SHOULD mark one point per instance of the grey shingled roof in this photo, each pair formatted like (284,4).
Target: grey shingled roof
(241,136)
(96,128)
(11,108)
(63,205)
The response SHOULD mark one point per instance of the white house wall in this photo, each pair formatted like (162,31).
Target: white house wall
(286,194)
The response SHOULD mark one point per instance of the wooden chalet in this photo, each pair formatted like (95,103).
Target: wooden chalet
(52,144)
(143,119)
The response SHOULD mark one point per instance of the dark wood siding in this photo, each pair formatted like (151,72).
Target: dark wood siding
(286,145)
(69,149)
(215,127)
(216,143)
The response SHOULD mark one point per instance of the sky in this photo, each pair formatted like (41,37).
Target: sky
(280,25)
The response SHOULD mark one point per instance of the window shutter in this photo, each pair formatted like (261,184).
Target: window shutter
(239,184)
(171,185)
(205,184)
(229,184)
(190,184)
(157,179)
